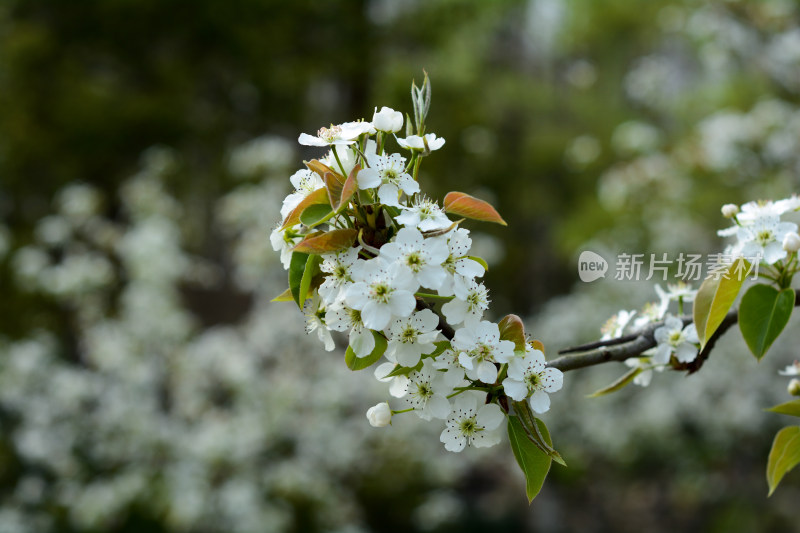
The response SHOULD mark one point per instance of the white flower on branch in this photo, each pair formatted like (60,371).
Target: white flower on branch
(764,238)
(427,392)
(458,265)
(305,182)
(479,347)
(340,317)
(419,256)
(528,376)
(428,142)
(387,120)
(468,424)
(341,135)
(673,338)
(387,172)
(379,415)
(314,311)
(412,336)
(423,214)
(468,305)
(381,291)
(338,268)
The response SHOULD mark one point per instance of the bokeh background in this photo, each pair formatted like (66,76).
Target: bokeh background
(147,384)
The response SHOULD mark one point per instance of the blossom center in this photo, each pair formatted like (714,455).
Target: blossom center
(675,338)
(408,335)
(381,292)
(330,134)
(468,426)
(764,237)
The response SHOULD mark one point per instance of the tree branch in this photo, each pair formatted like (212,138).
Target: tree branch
(633,345)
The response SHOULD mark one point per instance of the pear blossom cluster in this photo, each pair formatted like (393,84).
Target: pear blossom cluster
(764,237)
(676,342)
(403,287)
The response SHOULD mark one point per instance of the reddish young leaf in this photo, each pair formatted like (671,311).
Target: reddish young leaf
(319,167)
(325,243)
(349,188)
(320,196)
(511,329)
(334,185)
(462,204)
(537,345)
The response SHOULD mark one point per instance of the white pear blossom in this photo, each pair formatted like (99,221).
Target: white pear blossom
(420,256)
(305,182)
(427,392)
(479,347)
(423,214)
(673,338)
(677,291)
(340,135)
(468,424)
(764,238)
(468,306)
(756,210)
(314,311)
(387,173)
(338,268)
(429,142)
(791,242)
(411,337)
(381,291)
(644,377)
(529,377)
(379,415)
(650,313)
(398,385)
(730,210)
(347,157)
(387,120)
(791,370)
(452,372)
(283,241)
(614,326)
(458,265)
(340,317)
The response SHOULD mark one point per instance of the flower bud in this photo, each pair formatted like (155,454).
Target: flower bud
(379,415)
(794,387)
(791,243)
(387,120)
(730,210)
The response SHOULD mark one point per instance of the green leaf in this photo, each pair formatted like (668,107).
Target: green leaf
(403,370)
(784,455)
(359,363)
(535,463)
(285,296)
(327,242)
(622,382)
(702,304)
(441,346)
(297,266)
(314,213)
(789,408)
(480,261)
(763,314)
(727,290)
(311,270)
(512,329)
(464,205)
(715,298)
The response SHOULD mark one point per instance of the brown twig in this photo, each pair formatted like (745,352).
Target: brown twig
(633,346)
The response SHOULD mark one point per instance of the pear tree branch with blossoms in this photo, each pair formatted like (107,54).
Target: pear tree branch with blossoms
(370,255)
